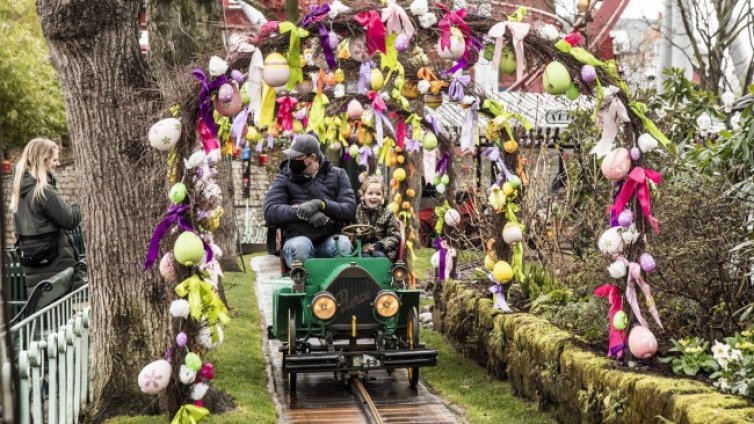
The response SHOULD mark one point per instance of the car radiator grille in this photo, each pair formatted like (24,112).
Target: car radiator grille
(354,295)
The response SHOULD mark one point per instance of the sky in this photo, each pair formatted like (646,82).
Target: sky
(643,8)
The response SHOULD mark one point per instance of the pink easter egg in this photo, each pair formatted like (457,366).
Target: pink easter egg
(635,153)
(225,93)
(232,107)
(588,74)
(402,42)
(616,164)
(642,343)
(626,218)
(237,76)
(154,377)
(332,40)
(167,268)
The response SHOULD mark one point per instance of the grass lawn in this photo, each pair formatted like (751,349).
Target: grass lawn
(466,384)
(239,363)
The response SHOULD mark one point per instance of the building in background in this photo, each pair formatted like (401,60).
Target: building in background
(638,44)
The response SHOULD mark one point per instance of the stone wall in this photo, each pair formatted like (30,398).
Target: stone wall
(545,364)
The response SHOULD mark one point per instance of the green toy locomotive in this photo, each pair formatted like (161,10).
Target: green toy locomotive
(349,315)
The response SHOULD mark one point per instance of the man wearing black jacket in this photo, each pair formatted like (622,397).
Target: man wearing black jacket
(310,200)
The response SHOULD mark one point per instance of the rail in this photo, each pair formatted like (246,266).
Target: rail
(52,347)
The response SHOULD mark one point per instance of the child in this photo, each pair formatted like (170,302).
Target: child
(372,211)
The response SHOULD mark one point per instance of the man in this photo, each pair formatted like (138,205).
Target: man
(310,200)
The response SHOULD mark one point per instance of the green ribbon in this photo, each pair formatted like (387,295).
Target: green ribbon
(189,414)
(518,15)
(223,127)
(203,301)
(440,211)
(640,109)
(416,126)
(498,110)
(517,258)
(317,115)
(294,51)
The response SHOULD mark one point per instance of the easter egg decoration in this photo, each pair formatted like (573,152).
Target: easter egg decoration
(402,42)
(588,74)
(376,79)
(508,188)
(647,143)
(502,272)
(512,233)
(357,47)
(515,181)
(572,93)
(353,151)
(642,343)
(616,164)
(399,174)
(620,321)
(445,179)
(231,107)
(626,218)
(193,361)
(507,62)
(635,153)
(647,263)
(188,249)
(276,71)
(225,92)
(429,141)
(167,268)
(164,134)
(556,78)
(154,377)
(354,109)
(456,48)
(178,193)
(452,217)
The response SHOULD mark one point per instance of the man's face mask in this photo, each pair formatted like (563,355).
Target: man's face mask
(297,166)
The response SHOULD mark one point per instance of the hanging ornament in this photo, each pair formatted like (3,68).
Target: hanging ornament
(642,342)
(616,164)
(188,249)
(556,78)
(165,134)
(457,46)
(154,377)
(276,71)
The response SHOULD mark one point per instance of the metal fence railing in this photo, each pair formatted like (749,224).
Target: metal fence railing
(52,347)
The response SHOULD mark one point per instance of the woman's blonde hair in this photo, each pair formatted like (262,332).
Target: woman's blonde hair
(372,179)
(36,153)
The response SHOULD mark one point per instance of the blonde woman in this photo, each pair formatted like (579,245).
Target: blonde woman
(41,217)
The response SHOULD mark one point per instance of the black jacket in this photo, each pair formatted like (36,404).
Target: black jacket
(49,215)
(330,184)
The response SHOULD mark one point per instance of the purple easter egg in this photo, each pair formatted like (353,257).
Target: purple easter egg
(635,153)
(402,42)
(237,76)
(588,74)
(225,93)
(647,263)
(181,339)
(333,40)
(301,114)
(626,218)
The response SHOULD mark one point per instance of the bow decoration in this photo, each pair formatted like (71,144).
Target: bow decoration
(638,181)
(174,214)
(209,142)
(469,130)
(497,291)
(518,32)
(454,18)
(612,113)
(445,265)
(285,112)
(365,152)
(294,51)
(375,30)
(455,91)
(639,109)
(205,96)
(203,301)
(189,414)
(633,279)
(396,20)
(416,127)
(617,338)
(314,17)
(379,107)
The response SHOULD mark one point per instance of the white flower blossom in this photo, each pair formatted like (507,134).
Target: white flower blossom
(186,375)
(337,7)
(617,269)
(630,235)
(610,241)
(723,362)
(339,91)
(199,390)
(647,143)
(419,7)
(722,384)
(204,338)
(720,350)
(548,32)
(217,66)
(179,308)
(427,20)
(736,355)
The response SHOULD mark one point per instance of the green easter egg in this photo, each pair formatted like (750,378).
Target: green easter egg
(178,193)
(620,320)
(245,99)
(515,181)
(353,151)
(188,249)
(429,141)
(572,93)
(445,179)
(436,181)
(193,361)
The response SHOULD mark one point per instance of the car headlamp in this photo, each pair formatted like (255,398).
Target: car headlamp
(387,304)
(400,271)
(324,306)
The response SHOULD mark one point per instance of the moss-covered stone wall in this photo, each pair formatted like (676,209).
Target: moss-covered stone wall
(544,364)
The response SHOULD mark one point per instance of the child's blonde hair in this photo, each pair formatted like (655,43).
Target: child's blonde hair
(372,179)
(33,159)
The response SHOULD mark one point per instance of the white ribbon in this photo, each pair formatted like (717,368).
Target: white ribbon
(612,113)
(254,86)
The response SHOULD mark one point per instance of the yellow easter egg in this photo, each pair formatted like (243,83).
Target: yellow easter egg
(397,198)
(410,193)
(510,146)
(377,80)
(394,207)
(406,205)
(399,174)
(502,272)
(340,76)
(507,188)
(400,159)
(489,263)
(298,126)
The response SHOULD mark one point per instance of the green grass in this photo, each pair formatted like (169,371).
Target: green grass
(466,384)
(422,268)
(239,363)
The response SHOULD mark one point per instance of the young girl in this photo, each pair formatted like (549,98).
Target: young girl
(372,211)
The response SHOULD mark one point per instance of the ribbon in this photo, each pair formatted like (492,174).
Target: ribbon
(426,74)
(612,113)
(173,215)
(442,164)
(497,292)
(239,122)
(432,119)
(413,145)
(466,61)
(492,153)
(468,131)
(202,299)
(375,30)
(447,253)
(428,164)
(379,107)
(440,212)
(365,76)
(637,182)
(294,51)
(400,133)
(254,87)
(617,338)
(455,91)
(633,279)
(189,414)
(267,107)
(209,142)
(317,115)
(639,109)
(205,96)
(365,152)
(285,112)
(315,15)
(414,122)
(453,18)
(396,20)
(518,32)
(389,60)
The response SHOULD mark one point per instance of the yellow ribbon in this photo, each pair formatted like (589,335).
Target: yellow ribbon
(416,125)
(202,299)
(502,119)
(385,150)
(189,414)
(294,51)
(389,59)
(317,115)
(267,108)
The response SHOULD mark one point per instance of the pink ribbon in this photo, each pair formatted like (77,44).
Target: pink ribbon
(518,31)
(285,112)
(633,279)
(428,164)
(209,142)
(612,113)
(637,182)
(396,20)
(375,29)
(400,133)
(379,107)
(617,338)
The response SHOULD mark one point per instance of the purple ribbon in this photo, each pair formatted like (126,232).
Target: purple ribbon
(259,146)
(364,153)
(239,122)
(492,153)
(438,244)
(316,13)
(365,76)
(173,215)
(497,292)
(455,90)
(465,61)
(270,141)
(432,119)
(205,97)
(442,164)
(412,145)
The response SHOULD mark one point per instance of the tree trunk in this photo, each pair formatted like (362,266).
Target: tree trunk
(110,103)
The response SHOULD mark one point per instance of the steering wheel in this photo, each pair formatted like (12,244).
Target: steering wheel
(358,230)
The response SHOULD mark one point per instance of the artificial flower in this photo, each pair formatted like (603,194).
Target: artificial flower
(419,7)
(617,269)
(198,391)
(217,66)
(427,20)
(186,375)
(179,308)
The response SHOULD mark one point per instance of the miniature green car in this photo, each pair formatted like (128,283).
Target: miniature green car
(349,315)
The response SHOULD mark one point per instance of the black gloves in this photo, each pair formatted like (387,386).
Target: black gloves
(307,209)
(318,219)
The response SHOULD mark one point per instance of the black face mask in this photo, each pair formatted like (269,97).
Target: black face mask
(296,166)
